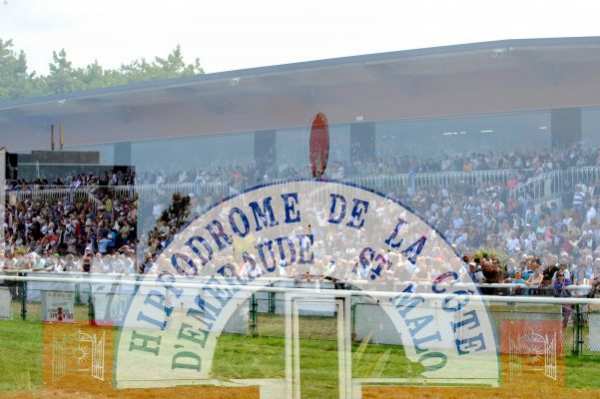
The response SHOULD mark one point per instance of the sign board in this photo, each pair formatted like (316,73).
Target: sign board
(79,357)
(58,306)
(530,337)
(5,303)
(110,308)
(533,348)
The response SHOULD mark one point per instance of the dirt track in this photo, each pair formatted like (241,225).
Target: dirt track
(185,393)
(476,393)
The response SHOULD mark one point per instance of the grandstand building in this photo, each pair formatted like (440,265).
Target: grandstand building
(494,123)
(501,95)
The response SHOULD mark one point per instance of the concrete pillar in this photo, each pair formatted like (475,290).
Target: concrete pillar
(265,151)
(362,141)
(566,126)
(122,154)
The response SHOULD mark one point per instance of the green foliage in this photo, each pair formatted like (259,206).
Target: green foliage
(20,355)
(485,253)
(16,81)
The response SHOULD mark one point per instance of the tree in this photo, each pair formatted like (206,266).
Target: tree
(15,80)
(63,77)
(172,66)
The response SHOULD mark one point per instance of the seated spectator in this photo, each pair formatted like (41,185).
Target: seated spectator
(535,278)
(559,287)
(475,273)
(518,280)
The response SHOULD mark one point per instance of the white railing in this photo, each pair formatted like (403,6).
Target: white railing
(428,179)
(551,185)
(384,183)
(37,275)
(88,192)
(544,186)
(52,194)
(205,282)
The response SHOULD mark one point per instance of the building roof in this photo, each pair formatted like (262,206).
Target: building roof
(478,78)
(500,48)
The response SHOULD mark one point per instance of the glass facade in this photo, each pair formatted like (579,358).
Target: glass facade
(508,156)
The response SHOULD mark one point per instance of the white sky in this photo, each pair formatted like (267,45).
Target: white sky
(228,34)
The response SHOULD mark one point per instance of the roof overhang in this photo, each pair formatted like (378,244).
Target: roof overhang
(470,79)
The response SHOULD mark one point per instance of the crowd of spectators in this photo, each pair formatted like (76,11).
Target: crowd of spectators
(525,163)
(119,262)
(75,180)
(471,216)
(527,235)
(67,231)
(535,161)
(564,231)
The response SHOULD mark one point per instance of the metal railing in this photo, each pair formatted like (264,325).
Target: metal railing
(52,194)
(553,184)
(387,183)
(267,292)
(544,186)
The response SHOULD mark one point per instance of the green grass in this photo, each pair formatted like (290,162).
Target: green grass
(236,356)
(263,356)
(249,357)
(20,355)
(583,371)
(21,347)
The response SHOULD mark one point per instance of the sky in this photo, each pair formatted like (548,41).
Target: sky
(228,35)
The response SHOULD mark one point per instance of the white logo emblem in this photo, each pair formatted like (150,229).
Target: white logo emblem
(283,231)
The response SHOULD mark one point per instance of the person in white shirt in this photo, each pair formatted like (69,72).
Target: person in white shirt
(513,244)
(331,268)
(282,268)
(251,270)
(118,264)
(71,264)
(475,273)
(591,213)
(97,264)
(563,270)
(579,196)
(58,265)
(157,210)
(129,267)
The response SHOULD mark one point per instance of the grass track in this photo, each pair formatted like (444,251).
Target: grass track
(261,357)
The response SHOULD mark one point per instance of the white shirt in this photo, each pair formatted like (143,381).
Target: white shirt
(157,210)
(512,244)
(591,214)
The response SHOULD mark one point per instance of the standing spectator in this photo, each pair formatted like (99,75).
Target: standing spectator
(559,289)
